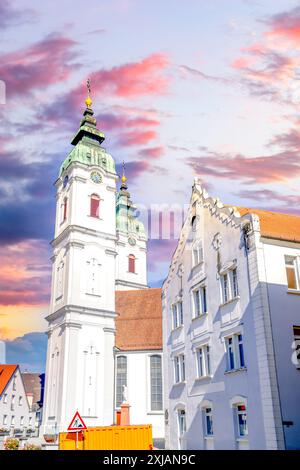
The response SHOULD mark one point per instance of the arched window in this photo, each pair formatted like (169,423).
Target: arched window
(156,382)
(131,263)
(95,202)
(121,378)
(64,209)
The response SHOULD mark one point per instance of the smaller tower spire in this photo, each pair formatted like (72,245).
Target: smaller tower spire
(88,100)
(123,179)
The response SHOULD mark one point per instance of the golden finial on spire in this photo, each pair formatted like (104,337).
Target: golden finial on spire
(124,179)
(88,100)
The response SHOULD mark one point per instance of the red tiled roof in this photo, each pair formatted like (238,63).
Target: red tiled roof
(276,225)
(139,321)
(6,372)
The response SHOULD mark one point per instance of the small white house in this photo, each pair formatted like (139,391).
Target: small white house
(16,417)
(231,325)
(138,358)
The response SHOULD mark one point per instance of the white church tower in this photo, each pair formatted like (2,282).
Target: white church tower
(81,334)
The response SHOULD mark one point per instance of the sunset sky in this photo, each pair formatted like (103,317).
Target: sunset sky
(180,88)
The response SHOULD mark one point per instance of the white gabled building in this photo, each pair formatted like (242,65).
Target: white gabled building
(16,416)
(231,327)
(99,250)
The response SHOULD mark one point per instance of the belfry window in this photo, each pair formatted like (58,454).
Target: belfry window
(95,203)
(131,263)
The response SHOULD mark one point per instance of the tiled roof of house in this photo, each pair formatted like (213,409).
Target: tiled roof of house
(33,386)
(139,321)
(6,372)
(276,225)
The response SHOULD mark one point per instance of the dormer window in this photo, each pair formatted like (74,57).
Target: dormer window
(131,263)
(95,203)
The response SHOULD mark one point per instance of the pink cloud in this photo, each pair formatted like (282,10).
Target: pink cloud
(152,152)
(286,25)
(269,200)
(137,137)
(38,66)
(263,169)
(25,273)
(133,79)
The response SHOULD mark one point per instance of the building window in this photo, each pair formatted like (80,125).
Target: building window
(14,383)
(235,287)
(197,253)
(208,422)
(5,398)
(203,361)
(177,315)
(179,368)
(20,400)
(4,419)
(121,378)
(296,346)
(235,352)
(12,420)
(22,421)
(241,419)
(225,290)
(200,302)
(64,209)
(156,382)
(181,422)
(229,285)
(30,420)
(94,207)
(292,272)
(131,263)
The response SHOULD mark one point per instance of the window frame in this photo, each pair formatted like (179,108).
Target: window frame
(95,211)
(197,253)
(119,391)
(179,368)
(203,361)
(229,283)
(235,352)
(132,263)
(153,409)
(295,267)
(239,413)
(207,416)
(296,346)
(181,414)
(177,315)
(199,299)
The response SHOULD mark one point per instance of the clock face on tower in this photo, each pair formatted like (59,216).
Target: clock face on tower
(131,241)
(96,177)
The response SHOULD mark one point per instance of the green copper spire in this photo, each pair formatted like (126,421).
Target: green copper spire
(87,143)
(126,219)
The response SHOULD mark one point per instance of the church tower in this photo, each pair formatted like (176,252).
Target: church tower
(81,334)
(131,268)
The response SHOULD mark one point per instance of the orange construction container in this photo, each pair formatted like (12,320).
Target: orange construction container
(131,437)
